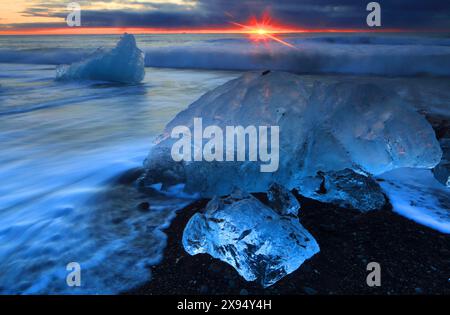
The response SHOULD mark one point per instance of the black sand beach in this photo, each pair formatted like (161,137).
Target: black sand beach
(414,259)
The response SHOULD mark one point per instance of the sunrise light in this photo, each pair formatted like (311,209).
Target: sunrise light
(264,30)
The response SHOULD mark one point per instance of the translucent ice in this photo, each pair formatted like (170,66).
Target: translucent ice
(282,200)
(124,64)
(346,189)
(324,127)
(442,170)
(259,242)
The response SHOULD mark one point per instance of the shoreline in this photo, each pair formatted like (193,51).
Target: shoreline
(414,259)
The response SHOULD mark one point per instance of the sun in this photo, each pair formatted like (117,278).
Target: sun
(262,31)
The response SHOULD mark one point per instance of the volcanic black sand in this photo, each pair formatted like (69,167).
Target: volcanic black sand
(414,259)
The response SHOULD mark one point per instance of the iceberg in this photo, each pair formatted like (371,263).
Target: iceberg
(323,127)
(123,64)
(261,243)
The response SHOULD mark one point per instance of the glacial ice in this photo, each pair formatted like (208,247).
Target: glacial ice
(259,242)
(442,170)
(324,127)
(123,63)
(346,189)
(282,200)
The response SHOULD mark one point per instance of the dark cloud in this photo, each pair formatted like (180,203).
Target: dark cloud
(405,14)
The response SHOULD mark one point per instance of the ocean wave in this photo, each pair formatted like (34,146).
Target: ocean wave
(50,56)
(310,59)
(360,55)
(381,40)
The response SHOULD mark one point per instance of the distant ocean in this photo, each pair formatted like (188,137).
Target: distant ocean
(65,144)
(318,53)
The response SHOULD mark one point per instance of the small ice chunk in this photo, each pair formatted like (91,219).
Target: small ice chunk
(442,170)
(282,200)
(259,242)
(123,63)
(346,189)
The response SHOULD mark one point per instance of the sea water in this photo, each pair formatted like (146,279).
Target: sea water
(62,146)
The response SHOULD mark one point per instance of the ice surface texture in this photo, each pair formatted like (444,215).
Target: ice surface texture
(347,189)
(124,64)
(259,242)
(282,200)
(442,170)
(324,127)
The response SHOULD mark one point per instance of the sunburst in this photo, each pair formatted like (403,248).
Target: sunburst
(263,30)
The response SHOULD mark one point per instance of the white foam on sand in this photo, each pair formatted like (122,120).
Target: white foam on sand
(417,195)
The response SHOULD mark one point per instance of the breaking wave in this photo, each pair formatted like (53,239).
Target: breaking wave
(386,55)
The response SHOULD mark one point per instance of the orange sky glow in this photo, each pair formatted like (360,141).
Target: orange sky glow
(143,30)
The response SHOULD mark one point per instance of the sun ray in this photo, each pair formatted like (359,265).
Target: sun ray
(262,31)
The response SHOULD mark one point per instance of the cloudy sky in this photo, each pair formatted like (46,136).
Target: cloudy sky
(207,14)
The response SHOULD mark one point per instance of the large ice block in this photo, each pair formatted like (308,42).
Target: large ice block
(324,127)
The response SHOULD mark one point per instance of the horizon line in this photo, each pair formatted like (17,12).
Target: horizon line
(162,31)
